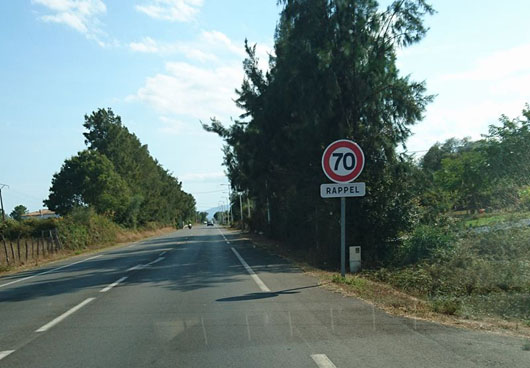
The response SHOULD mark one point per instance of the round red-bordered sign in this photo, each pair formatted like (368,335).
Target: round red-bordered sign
(348,161)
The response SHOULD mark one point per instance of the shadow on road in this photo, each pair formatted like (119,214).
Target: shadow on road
(264,295)
(192,262)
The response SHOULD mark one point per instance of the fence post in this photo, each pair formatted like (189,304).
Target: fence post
(5,249)
(18,249)
(12,252)
(38,244)
(44,248)
(59,244)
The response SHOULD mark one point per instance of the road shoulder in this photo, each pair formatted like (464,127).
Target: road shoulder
(385,297)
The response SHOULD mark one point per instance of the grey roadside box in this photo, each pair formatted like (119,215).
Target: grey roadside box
(355,259)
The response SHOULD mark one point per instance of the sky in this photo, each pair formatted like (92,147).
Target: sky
(166,65)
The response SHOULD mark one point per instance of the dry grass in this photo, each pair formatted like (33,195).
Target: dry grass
(385,296)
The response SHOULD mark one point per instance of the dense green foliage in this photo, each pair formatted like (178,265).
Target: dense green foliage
(18,212)
(333,76)
(201,216)
(492,173)
(220,217)
(83,227)
(13,229)
(118,178)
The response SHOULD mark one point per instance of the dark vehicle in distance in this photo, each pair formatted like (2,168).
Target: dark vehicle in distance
(209,223)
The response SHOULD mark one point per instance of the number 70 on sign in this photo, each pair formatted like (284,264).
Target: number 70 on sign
(343,161)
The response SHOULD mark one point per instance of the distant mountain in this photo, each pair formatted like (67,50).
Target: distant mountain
(212,211)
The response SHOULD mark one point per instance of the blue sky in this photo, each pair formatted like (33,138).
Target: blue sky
(163,65)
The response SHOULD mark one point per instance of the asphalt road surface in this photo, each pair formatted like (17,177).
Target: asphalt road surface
(206,298)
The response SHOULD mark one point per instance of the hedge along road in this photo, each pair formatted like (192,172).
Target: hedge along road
(205,297)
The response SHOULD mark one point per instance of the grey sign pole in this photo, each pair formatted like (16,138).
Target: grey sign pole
(343,236)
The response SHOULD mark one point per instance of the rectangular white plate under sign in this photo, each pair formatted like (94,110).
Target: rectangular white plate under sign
(342,190)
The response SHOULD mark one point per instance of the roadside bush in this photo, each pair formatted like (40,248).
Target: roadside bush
(446,305)
(83,227)
(13,229)
(424,242)
(480,274)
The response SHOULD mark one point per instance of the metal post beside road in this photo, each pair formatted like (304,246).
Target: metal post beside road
(241,208)
(342,236)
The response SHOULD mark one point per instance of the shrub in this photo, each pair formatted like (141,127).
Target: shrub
(13,229)
(83,227)
(446,305)
(424,242)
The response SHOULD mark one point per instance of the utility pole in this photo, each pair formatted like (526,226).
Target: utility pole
(248,206)
(2,186)
(241,208)
(230,215)
(268,205)
(230,204)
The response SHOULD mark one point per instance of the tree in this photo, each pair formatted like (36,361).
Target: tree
(201,216)
(466,177)
(158,196)
(117,177)
(18,212)
(432,160)
(89,179)
(220,216)
(508,148)
(333,75)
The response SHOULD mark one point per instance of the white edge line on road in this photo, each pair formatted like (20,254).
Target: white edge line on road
(164,252)
(5,353)
(224,237)
(104,290)
(49,271)
(156,261)
(52,323)
(137,267)
(255,277)
(142,266)
(323,361)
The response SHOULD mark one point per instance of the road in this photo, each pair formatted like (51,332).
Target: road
(206,298)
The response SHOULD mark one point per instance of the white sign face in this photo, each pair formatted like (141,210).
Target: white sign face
(343,161)
(342,190)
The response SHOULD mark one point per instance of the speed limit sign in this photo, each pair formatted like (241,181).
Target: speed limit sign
(343,161)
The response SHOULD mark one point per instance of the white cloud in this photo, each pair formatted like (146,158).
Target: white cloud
(452,118)
(192,91)
(172,10)
(497,66)
(187,91)
(174,126)
(472,99)
(209,46)
(147,45)
(81,15)
(189,50)
(220,39)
